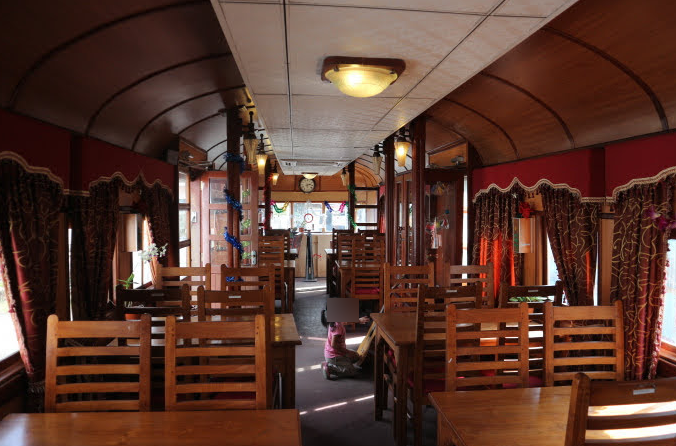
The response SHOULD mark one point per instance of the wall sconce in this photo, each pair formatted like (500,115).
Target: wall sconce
(401,147)
(261,157)
(250,140)
(361,77)
(275,174)
(343,177)
(377,159)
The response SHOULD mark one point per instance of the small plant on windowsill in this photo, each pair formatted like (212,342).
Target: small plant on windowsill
(152,252)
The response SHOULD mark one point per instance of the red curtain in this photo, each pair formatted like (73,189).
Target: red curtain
(493,235)
(572,228)
(158,202)
(94,221)
(638,272)
(29,229)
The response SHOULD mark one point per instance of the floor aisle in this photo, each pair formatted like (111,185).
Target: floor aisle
(338,412)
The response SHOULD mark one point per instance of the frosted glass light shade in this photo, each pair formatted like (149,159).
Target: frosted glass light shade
(275,177)
(250,144)
(309,175)
(361,81)
(401,148)
(261,159)
(377,160)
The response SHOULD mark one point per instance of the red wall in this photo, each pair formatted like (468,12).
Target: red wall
(640,158)
(76,160)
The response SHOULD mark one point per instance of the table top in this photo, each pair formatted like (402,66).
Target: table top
(527,417)
(329,251)
(209,428)
(285,332)
(400,327)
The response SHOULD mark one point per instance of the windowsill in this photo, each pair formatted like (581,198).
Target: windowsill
(12,373)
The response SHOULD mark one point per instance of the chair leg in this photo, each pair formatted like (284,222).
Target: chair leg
(417,421)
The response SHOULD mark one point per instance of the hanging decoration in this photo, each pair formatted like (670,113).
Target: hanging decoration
(278,209)
(341,209)
(232,201)
(351,189)
(328,206)
(246,223)
(232,240)
(233,279)
(524,210)
(663,223)
(439,188)
(308,218)
(235,158)
(350,220)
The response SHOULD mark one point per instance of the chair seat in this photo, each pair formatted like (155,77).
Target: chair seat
(372,290)
(429,385)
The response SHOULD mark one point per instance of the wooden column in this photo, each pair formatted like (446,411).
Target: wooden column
(351,202)
(390,218)
(418,169)
(267,194)
(234,128)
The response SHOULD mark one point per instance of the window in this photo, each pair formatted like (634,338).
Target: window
(141,269)
(281,220)
(669,320)
(183,219)
(321,219)
(8,342)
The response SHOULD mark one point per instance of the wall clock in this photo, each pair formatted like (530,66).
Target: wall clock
(306,185)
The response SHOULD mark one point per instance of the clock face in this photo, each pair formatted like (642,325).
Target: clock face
(306,185)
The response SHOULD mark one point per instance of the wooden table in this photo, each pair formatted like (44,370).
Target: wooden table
(235,428)
(330,259)
(398,331)
(527,417)
(284,344)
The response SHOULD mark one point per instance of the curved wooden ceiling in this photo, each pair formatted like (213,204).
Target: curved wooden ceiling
(602,71)
(135,74)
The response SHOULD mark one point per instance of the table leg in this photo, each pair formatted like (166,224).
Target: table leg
(378,377)
(328,274)
(290,278)
(289,380)
(401,355)
(344,279)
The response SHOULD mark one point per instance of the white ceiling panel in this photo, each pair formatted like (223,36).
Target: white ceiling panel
(405,110)
(274,110)
(338,112)
(458,6)
(541,8)
(443,42)
(369,33)
(257,34)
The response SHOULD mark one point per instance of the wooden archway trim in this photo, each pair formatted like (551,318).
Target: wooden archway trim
(90,32)
(145,78)
(622,67)
(556,116)
(178,104)
(199,121)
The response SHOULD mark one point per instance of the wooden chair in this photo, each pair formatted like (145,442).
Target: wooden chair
(235,303)
(217,365)
(336,233)
(271,254)
(255,278)
(621,413)
(500,334)
(177,276)
(550,293)
(430,345)
(286,233)
(474,273)
(86,372)
(369,250)
(587,339)
(401,285)
(366,283)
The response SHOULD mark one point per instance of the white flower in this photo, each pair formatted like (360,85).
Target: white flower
(153,252)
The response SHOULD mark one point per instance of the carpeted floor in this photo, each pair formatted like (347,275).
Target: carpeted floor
(338,412)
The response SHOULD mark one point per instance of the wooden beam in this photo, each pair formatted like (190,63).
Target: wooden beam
(234,129)
(267,196)
(390,222)
(418,168)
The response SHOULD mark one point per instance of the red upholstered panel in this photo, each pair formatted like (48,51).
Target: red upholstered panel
(581,169)
(39,143)
(641,158)
(100,159)
(374,290)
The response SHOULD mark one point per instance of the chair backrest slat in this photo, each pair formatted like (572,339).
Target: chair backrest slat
(474,335)
(587,339)
(87,371)
(618,413)
(237,302)
(217,365)
(476,273)
(401,285)
(553,293)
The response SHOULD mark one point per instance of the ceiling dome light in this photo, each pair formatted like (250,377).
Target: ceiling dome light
(310,175)
(361,77)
